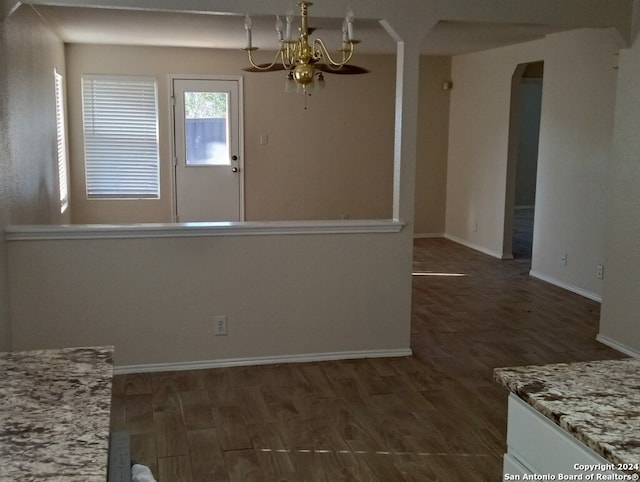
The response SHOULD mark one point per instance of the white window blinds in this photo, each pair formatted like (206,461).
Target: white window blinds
(121,136)
(61,138)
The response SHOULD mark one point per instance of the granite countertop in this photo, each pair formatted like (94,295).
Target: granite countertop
(54,414)
(596,402)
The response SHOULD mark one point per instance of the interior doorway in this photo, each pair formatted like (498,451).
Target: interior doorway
(524,134)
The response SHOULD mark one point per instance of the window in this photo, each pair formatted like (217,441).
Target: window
(121,136)
(206,128)
(61,136)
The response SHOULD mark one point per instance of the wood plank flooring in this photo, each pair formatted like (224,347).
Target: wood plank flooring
(435,416)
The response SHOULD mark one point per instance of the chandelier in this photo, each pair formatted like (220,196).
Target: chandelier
(303,60)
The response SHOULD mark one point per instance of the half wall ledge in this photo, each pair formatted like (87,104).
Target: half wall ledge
(185,230)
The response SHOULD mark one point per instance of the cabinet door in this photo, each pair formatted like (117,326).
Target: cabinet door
(512,466)
(540,445)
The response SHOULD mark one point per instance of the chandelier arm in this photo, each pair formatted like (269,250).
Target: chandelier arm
(256,66)
(320,51)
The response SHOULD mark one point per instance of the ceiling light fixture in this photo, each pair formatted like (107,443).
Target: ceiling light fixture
(304,61)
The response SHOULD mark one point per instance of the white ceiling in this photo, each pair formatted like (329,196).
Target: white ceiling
(137,27)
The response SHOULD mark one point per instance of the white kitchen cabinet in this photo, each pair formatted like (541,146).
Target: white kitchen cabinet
(535,445)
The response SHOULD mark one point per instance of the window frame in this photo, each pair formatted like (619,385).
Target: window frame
(61,141)
(119,117)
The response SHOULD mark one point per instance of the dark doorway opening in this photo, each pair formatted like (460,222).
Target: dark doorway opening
(526,102)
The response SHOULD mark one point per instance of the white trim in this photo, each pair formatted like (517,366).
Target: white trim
(566,286)
(104,118)
(181,230)
(61,141)
(265,360)
(8,7)
(474,246)
(428,235)
(241,152)
(627,350)
(172,148)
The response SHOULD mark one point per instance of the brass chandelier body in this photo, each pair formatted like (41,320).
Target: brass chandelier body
(298,56)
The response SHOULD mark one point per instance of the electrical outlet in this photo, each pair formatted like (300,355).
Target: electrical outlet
(220,325)
(564,259)
(600,271)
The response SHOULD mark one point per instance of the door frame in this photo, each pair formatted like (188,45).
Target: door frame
(173,159)
(517,80)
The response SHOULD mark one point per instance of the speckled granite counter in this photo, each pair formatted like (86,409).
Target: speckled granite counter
(54,414)
(596,402)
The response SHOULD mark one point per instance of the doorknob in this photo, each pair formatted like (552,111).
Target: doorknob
(234,158)
(234,169)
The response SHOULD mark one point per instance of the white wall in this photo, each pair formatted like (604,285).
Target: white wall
(284,295)
(619,321)
(575,139)
(574,158)
(478,143)
(29,52)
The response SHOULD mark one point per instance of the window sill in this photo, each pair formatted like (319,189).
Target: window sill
(180,230)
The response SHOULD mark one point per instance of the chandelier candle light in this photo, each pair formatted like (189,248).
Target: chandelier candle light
(297,56)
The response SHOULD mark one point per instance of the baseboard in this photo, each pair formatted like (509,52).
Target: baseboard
(428,235)
(605,340)
(566,286)
(473,246)
(266,360)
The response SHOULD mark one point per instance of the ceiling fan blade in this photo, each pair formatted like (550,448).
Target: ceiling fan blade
(263,68)
(344,70)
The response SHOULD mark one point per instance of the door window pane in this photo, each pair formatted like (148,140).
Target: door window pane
(207,128)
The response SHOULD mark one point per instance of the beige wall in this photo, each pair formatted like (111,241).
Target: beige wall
(29,52)
(284,295)
(575,139)
(396,247)
(621,298)
(155,299)
(433,131)
(313,166)
(333,160)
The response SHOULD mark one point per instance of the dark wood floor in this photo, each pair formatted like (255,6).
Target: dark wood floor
(522,240)
(436,416)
